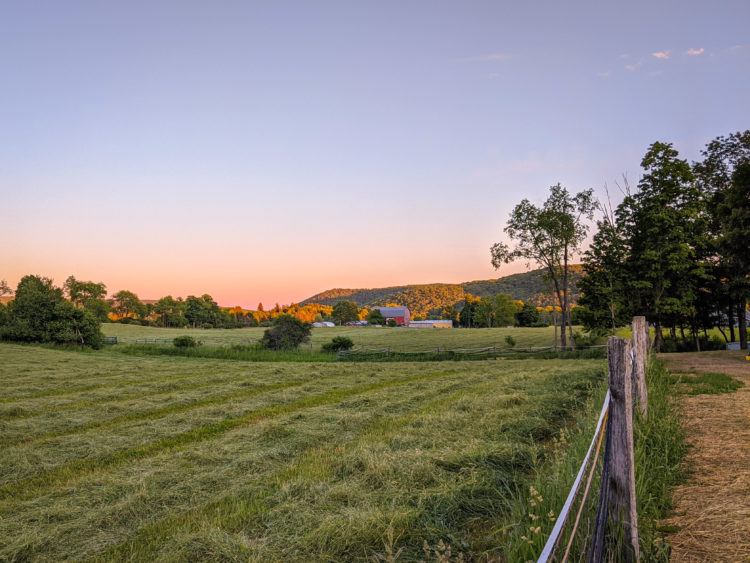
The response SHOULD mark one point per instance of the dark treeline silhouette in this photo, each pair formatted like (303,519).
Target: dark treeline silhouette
(677,249)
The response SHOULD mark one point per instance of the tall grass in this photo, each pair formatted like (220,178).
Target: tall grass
(659,451)
(235,352)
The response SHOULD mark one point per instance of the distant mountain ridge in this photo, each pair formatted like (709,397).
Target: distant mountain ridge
(422,299)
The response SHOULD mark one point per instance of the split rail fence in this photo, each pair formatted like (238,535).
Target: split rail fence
(615,529)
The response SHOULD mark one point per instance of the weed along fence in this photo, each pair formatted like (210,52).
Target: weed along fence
(613,534)
(362,354)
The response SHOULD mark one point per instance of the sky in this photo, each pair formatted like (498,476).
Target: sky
(265,151)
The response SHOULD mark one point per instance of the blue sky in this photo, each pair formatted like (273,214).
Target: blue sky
(265,151)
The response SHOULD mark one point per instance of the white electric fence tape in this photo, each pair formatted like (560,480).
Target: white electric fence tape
(549,547)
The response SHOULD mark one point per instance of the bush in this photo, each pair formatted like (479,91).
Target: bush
(186,342)
(376,317)
(391,322)
(527,316)
(593,338)
(40,313)
(286,333)
(337,344)
(510,341)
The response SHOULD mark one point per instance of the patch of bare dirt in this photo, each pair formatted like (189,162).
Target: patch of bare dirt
(712,509)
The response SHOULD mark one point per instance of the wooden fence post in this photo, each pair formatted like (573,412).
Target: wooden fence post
(616,515)
(640,355)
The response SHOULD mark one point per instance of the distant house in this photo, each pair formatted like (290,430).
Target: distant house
(431,324)
(323,324)
(401,315)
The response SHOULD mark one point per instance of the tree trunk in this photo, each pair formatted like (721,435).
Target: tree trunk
(730,321)
(658,337)
(742,316)
(558,293)
(724,334)
(554,324)
(565,316)
(696,340)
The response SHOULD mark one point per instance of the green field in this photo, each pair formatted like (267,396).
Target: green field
(109,456)
(398,339)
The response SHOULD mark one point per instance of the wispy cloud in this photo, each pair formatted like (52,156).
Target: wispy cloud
(693,52)
(663,55)
(489,57)
(605,74)
(633,67)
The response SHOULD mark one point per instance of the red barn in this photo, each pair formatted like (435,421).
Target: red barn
(401,315)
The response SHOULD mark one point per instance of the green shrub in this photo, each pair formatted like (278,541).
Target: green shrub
(391,322)
(510,341)
(186,342)
(286,333)
(592,338)
(40,313)
(376,317)
(337,344)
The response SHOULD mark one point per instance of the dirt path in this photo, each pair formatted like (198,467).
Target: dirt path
(712,509)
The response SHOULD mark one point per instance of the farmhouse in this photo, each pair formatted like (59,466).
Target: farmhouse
(431,324)
(401,315)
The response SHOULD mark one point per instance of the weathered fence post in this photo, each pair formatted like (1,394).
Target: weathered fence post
(640,356)
(616,515)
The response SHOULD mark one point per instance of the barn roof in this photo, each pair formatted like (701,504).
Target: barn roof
(392,311)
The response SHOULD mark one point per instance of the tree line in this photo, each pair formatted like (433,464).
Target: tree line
(676,249)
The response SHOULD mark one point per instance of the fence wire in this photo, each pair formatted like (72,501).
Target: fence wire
(576,543)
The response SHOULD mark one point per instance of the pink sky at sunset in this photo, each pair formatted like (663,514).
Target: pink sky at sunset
(266,152)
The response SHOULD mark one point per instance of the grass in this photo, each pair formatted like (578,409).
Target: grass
(247,353)
(659,451)
(397,339)
(255,354)
(706,383)
(111,456)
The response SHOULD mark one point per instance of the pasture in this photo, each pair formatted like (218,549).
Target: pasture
(398,339)
(110,456)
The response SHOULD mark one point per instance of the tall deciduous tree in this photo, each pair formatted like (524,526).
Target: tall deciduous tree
(88,295)
(202,310)
(5,288)
(127,304)
(661,221)
(40,313)
(170,311)
(734,213)
(603,301)
(345,312)
(550,236)
(720,180)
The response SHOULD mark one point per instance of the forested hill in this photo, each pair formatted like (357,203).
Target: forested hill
(422,299)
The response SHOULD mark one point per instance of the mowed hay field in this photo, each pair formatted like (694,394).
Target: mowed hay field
(397,339)
(115,457)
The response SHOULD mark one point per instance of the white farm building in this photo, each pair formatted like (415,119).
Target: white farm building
(431,324)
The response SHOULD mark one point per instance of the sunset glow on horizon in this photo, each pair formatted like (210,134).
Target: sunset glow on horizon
(265,153)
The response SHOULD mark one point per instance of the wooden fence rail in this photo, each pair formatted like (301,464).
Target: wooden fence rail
(615,533)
